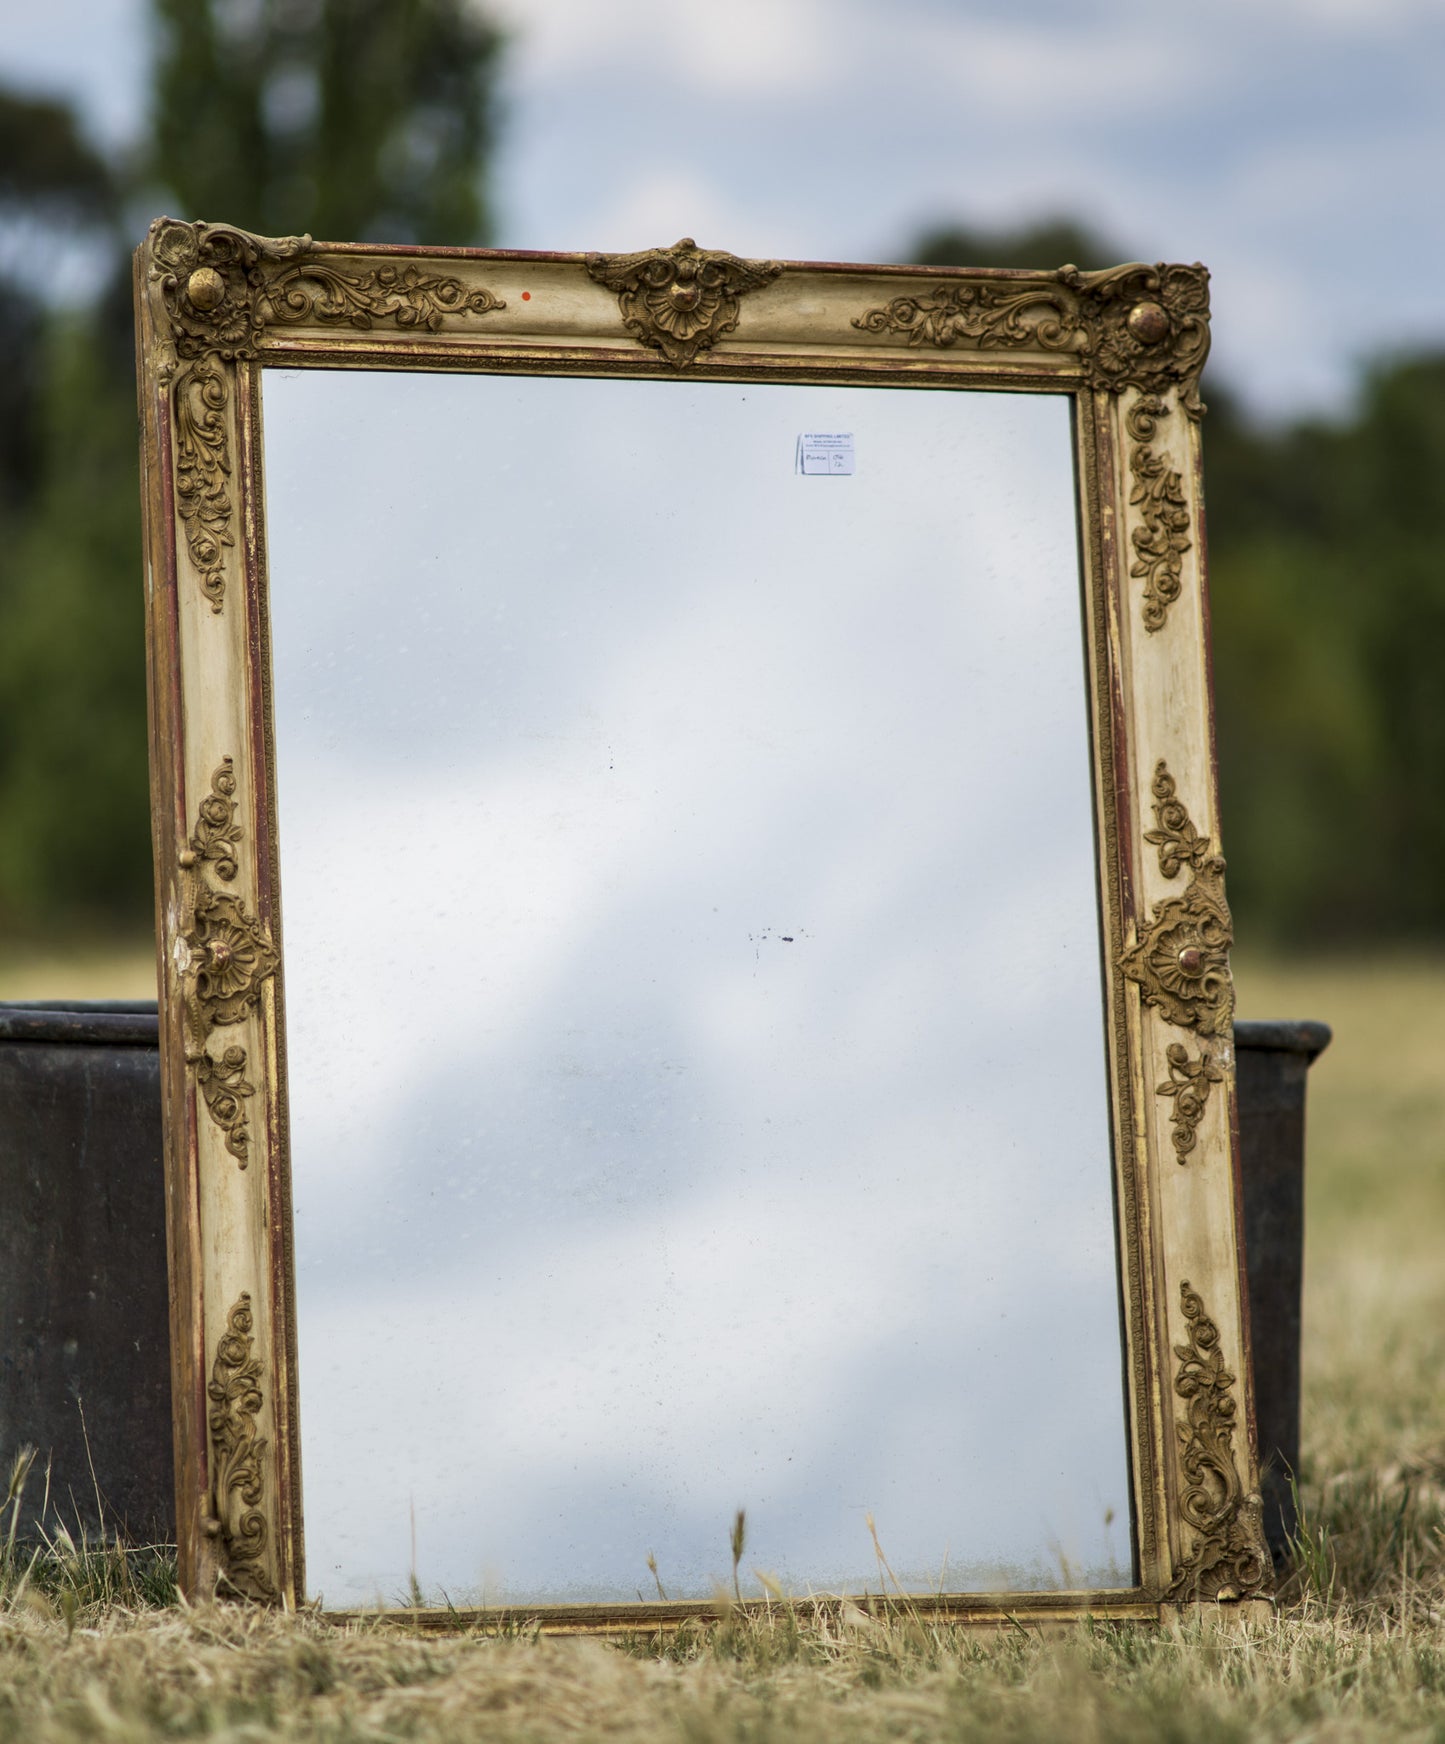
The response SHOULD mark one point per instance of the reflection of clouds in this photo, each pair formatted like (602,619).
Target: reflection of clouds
(711,927)
(783,1353)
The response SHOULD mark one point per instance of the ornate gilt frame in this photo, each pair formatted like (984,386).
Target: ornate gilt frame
(215,306)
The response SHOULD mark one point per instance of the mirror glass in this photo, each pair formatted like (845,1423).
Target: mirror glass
(693,1005)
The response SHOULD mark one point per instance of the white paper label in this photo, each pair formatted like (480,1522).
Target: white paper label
(832,455)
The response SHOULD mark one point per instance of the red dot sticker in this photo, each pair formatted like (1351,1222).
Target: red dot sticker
(526,296)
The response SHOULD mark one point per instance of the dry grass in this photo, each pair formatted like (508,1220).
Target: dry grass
(83,969)
(1358,1654)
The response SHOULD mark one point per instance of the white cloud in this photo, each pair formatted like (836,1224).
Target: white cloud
(666,204)
(750,48)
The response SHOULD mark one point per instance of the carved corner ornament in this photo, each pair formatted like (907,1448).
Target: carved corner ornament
(1137,326)
(680,300)
(238,1490)
(1229,1558)
(229,958)
(1180,962)
(219,289)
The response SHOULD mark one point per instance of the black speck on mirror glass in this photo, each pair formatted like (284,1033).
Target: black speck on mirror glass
(694,1017)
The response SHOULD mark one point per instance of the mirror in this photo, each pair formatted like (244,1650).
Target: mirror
(671,979)
(694,1120)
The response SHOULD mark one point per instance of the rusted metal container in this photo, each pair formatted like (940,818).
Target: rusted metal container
(84,1356)
(1272,1061)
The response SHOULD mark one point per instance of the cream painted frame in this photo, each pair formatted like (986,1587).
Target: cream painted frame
(215,305)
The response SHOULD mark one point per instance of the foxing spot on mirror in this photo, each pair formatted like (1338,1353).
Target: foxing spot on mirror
(680,914)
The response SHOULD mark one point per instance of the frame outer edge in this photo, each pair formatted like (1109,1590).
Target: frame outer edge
(167,724)
(228,1232)
(1249,1452)
(1197,1203)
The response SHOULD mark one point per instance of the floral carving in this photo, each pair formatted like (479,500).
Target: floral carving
(680,300)
(1136,326)
(1229,1558)
(203,471)
(230,957)
(217,831)
(1158,493)
(220,288)
(238,1488)
(1181,961)
(1189,1085)
(223,1085)
(1174,834)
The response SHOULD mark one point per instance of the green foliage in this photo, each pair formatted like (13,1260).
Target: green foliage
(46,167)
(353,120)
(21,373)
(1051,242)
(1327,572)
(357,119)
(1327,587)
(73,787)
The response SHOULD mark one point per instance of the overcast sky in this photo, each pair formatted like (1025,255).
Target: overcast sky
(1294,146)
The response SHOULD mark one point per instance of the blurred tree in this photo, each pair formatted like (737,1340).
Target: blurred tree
(51,181)
(73,783)
(353,120)
(20,371)
(1327,584)
(358,119)
(47,169)
(1045,243)
(72,677)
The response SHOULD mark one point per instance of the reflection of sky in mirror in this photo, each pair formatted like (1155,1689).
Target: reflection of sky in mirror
(695,1043)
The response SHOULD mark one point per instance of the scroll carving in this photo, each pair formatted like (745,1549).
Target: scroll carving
(309,291)
(219,289)
(1229,1558)
(230,957)
(990,315)
(1181,961)
(1135,326)
(680,300)
(238,1490)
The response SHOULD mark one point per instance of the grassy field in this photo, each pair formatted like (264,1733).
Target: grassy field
(85,970)
(1357,1651)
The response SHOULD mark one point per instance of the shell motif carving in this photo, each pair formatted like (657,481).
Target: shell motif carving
(1229,1558)
(680,300)
(230,957)
(1181,961)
